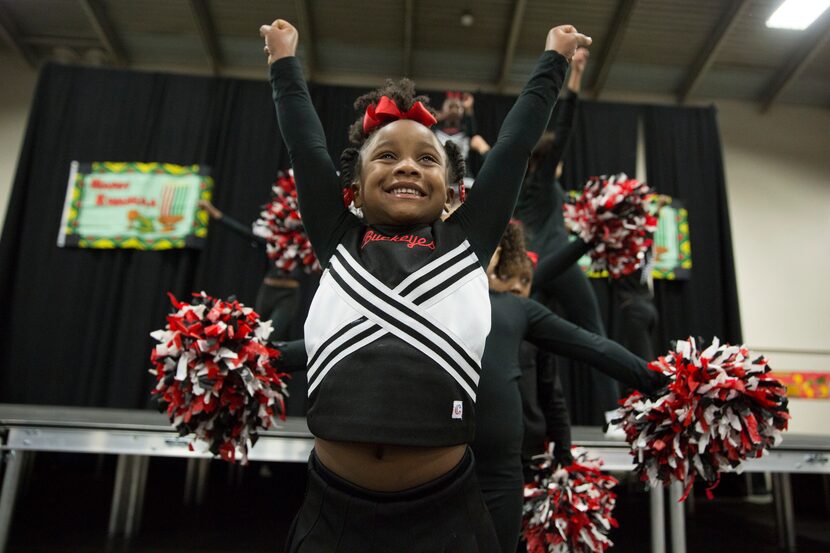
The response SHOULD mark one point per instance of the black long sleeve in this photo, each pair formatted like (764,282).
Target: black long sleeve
(562,126)
(318,187)
(553,264)
(293,355)
(492,199)
(548,331)
(241,229)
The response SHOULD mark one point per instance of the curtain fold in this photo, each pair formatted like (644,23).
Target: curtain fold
(684,160)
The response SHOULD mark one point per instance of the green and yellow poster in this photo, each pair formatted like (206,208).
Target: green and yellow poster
(672,245)
(145,206)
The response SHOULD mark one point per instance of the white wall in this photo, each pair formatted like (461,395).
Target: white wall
(15,98)
(778,184)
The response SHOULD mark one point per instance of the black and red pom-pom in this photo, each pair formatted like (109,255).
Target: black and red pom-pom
(281,224)
(721,408)
(216,376)
(612,213)
(569,509)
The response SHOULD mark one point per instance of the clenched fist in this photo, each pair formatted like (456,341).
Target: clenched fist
(280,39)
(565,39)
(580,60)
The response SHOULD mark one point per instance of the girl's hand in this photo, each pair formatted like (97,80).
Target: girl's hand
(565,39)
(480,145)
(280,39)
(210,208)
(580,60)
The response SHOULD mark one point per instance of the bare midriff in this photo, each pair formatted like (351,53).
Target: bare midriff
(387,468)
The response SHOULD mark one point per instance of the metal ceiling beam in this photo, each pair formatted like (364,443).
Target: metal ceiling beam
(207,32)
(69,41)
(105,30)
(305,30)
(795,64)
(705,58)
(408,25)
(512,39)
(10,34)
(611,45)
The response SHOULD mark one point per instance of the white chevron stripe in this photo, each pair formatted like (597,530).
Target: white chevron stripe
(391,298)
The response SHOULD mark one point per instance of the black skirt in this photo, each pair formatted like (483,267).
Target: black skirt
(445,515)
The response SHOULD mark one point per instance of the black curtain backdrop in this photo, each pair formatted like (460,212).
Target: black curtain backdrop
(684,160)
(77,321)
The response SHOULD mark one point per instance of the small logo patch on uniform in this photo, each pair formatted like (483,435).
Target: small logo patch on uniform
(457,409)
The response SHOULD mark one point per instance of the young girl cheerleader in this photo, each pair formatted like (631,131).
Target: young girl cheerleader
(499,429)
(515,318)
(397,328)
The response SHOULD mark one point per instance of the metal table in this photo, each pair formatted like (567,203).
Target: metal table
(136,435)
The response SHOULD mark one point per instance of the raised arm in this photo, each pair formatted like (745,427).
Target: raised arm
(318,186)
(493,197)
(563,115)
(550,332)
(231,223)
(552,264)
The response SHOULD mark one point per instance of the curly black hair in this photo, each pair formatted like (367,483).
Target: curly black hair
(402,92)
(513,258)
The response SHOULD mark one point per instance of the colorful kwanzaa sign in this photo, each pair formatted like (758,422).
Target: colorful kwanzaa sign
(805,385)
(144,206)
(672,246)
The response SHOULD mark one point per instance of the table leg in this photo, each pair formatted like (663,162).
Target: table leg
(787,509)
(135,504)
(202,470)
(658,520)
(189,480)
(15,459)
(678,521)
(119,496)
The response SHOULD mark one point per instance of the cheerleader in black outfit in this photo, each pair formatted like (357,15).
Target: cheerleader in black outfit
(456,123)
(515,318)
(397,328)
(278,299)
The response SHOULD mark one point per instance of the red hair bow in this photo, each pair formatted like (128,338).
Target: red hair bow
(534,258)
(386,110)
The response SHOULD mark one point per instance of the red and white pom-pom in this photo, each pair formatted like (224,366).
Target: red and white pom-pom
(281,224)
(612,213)
(216,376)
(721,407)
(568,509)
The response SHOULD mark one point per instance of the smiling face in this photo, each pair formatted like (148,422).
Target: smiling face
(403,176)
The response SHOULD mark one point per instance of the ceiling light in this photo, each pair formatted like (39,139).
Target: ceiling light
(467,19)
(797,14)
